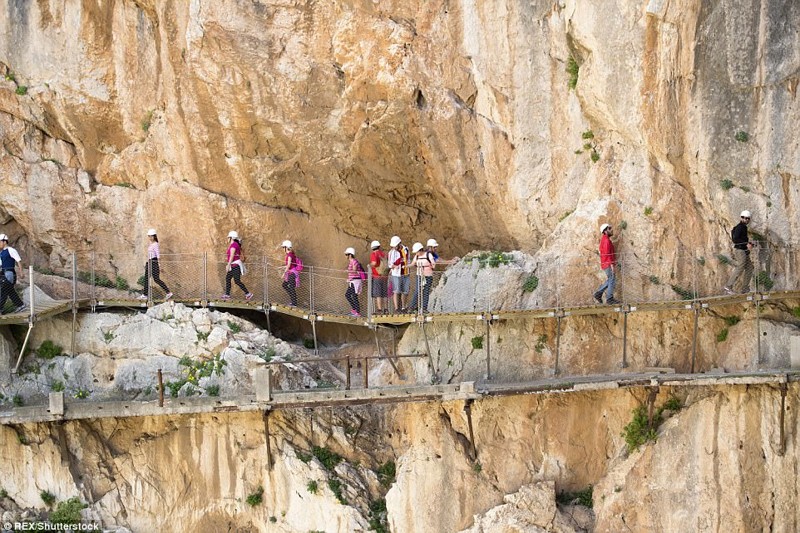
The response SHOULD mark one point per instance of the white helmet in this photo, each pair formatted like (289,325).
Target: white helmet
(151,232)
(375,244)
(432,243)
(286,244)
(416,248)
(745,214)
(395,241)
(233,235)
(604,227)
(3,237)
(350,251)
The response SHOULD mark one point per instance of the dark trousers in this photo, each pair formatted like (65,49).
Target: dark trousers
(7,282)
(352,297)
(151,267)
(235,274)
(290,286)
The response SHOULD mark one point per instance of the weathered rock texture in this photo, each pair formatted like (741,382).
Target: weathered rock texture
(337,122)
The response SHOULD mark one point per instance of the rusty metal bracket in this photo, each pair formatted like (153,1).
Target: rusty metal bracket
(468,412)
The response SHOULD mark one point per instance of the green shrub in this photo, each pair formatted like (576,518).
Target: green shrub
(654,280)
(594,156)
(623,225)
(638,432)
(325,456)
(304,457)
(477,343)
(267,354)
(142,281)
(672,404)
(701,260)
(648,211)
(530,284)
(726,184)
(212,390)
(202,336)
(588,134)
(796,311)
(541,343)
(122,283)
(22,90)
(336,488)
(312,487)
(234,327)
(175,386)
(256,498)
(147,121)
(722,336)
(108,336)
(742,136)
(565,215)
(378,516)
(17,400)
(731,320)
(68,512)
(10,77)
(763,281)
(308,342)
(683,292)
(49,350)
(572,69)
(387,473)
(82,394)
(3,494)
(101,280)
(582,497)
(48,497)
(477,467)
(57,386)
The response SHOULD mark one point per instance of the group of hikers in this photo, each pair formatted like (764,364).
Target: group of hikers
(743,265)
(390,271)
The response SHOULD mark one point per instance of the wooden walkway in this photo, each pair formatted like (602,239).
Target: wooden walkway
(87,409)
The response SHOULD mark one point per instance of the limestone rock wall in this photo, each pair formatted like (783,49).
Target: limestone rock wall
(716,464)
(337,122)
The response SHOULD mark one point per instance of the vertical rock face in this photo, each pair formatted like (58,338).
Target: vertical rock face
(337,122)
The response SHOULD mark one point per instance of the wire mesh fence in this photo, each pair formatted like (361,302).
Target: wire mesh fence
(477,283)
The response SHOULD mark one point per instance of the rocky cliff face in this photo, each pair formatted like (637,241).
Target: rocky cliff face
(337,122)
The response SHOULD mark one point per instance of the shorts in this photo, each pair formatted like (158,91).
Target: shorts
(400,284)
(379,287)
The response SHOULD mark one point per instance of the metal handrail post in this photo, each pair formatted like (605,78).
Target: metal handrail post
(205,278)
(311,295)
(370,302)
(266,283)
(30,293)
(93,294)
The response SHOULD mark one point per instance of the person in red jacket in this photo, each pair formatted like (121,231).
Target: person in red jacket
(608,263)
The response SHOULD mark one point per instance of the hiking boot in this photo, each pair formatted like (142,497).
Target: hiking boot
(598,297)
(613,301)
(355,313)
(225,297)
(143,297)
(248,296)
(21,308)
(728,290)
(168,296)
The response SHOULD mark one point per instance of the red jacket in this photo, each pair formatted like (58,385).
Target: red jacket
(608,256)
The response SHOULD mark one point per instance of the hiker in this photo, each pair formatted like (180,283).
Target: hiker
(380,271)
(291,272)
(608,263)
(151,267)
(741,255)
(398,262)
(355,277)
(425,262)
(235,266)
(9,258)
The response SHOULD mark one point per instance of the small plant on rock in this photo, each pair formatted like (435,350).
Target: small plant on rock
(582,497)
(387,473)
(203,336)
(82,394)
(234,327)
(256,497)
(308,342)
(638,431)
(122,283)
(48,497)
(541,343)
(648,211)
(722,336)
(312,487)
(17,400)
(337,489)
(530,284)
(742,136)
(764,282)
(726,184)
(57,386)
(572,69)
(477,343)
(68,512)
(325,456)
(22,90)
(49,350)
(212,390)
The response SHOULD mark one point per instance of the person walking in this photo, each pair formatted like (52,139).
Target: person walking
(398,263)
(151,267)
(425,262)
(355,277)
(291,272)
(9,259)
(608,263)
(380,271)
(235,266)
(743,265)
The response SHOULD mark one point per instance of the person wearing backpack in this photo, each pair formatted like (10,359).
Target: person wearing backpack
(380,272)
(425,262)
(235,266)
(355,277)
(291,272)
(398,263)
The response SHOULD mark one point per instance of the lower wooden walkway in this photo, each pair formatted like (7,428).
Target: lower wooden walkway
(468,391)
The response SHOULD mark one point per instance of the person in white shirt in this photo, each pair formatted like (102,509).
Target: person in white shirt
(9,259)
